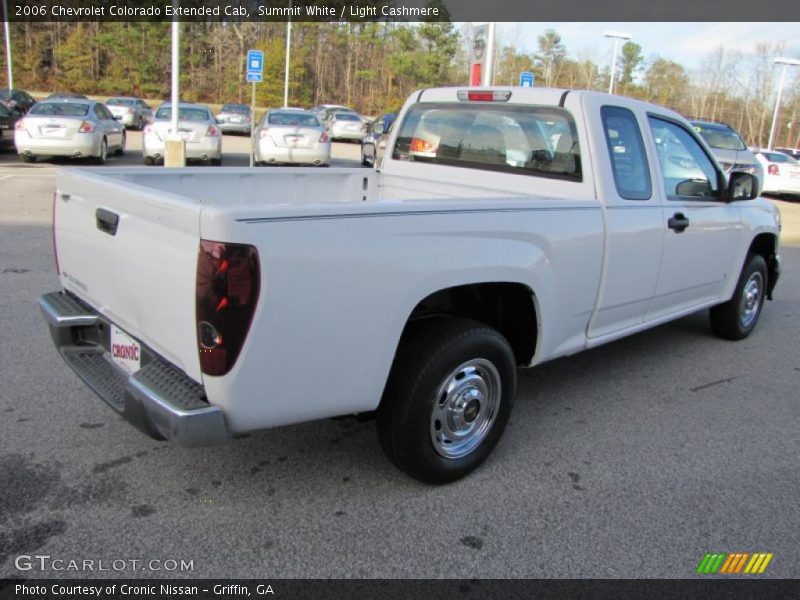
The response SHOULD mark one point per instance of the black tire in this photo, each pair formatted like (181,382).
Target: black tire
(27,158)
(736,318)
(432,353)
(121,150)
(103,157)
(149,161)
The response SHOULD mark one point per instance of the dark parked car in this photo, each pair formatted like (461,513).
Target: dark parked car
(8,118)
(18,99)
(373,144)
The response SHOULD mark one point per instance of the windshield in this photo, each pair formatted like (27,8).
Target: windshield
(778,157)
(60,109)
(185,113)
(241,109)
(526,140)
(346,116)
(121,102)
(721,138)
(4,112)
(296,119)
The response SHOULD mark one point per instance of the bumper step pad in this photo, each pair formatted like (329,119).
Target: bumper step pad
(159,399)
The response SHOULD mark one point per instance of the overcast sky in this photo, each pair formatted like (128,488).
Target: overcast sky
(687,43)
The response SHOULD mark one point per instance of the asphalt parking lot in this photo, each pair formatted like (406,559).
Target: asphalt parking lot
(630,460)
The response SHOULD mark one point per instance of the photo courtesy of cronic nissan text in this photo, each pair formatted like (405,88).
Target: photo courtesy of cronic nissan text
(398,299)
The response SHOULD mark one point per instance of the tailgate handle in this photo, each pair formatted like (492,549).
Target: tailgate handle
(107,221)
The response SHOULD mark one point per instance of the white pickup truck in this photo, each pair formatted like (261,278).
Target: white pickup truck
(503,228)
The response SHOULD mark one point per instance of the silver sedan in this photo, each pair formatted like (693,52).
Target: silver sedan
(290,136)
(69,127)
(196,125)
(346,125)
(131,112)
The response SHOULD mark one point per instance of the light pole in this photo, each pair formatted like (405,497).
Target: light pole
(616,36)
(288,50)
(785,62)
(8,45)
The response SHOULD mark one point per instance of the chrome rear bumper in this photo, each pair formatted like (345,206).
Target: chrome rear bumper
(158,399)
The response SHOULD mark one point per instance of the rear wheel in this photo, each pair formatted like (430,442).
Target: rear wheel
(448,398)
(103,156)
(121,150)
(736,318)
(27,158)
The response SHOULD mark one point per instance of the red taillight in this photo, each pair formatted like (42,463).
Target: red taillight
(228,278)
(773,170)
(55,248)
(212,131)
(324,138)
(484,95)
(86,127)
(421,146)
(20,124)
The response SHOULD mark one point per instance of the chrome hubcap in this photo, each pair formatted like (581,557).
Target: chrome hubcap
(751,299)
(465,409)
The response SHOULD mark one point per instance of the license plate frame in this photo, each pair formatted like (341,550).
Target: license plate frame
(126,351)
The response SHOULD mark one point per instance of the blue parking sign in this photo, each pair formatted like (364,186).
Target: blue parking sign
(255,61)
(254,77)
(526,79)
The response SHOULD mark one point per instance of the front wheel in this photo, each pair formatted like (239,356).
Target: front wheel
(736,318)
(27,158)
(448,398)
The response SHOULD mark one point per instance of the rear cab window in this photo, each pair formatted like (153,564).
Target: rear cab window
(539,141)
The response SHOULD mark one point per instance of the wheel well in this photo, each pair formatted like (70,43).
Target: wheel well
(765,244)
(507,307)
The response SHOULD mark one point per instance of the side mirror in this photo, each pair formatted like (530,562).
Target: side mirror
(742,186)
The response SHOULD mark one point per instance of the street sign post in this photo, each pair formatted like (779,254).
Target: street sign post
(254,73)
(526,79)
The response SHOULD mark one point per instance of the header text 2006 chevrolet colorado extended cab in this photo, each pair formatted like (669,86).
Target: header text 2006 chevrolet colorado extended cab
(503,228)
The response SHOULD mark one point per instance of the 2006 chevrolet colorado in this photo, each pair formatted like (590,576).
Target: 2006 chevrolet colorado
(503,228)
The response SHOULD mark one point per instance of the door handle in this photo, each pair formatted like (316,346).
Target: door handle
(678,222)
(107,221)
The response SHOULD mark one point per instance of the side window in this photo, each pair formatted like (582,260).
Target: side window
(102,112)
(626,150)
(687,170)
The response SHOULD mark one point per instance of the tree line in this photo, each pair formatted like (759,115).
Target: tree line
(373,66)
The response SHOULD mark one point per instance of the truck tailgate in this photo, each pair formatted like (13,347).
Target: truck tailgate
(140,273)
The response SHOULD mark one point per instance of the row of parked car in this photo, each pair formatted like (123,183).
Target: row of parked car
(72,125)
